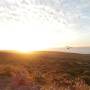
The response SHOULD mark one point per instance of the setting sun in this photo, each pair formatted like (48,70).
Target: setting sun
(30,38)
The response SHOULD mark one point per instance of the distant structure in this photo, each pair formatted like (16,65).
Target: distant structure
(68,47)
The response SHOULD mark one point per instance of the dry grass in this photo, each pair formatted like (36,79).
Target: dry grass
(44,71)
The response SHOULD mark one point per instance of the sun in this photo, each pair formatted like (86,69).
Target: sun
(35,38)
(29,40)
(25,48)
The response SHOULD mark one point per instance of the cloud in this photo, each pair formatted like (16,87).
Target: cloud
(27,11)
(52,12)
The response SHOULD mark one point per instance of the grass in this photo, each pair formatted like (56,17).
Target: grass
(44,70)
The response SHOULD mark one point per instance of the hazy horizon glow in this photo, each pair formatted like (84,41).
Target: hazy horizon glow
(36,25)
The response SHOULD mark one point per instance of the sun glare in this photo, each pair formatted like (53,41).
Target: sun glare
(39,37)
(36,33)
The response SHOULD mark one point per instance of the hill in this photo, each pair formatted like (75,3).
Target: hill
(43,69)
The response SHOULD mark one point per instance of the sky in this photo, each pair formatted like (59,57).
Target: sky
(49,23)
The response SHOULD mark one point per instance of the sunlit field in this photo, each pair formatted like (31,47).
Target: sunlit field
(44,70)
